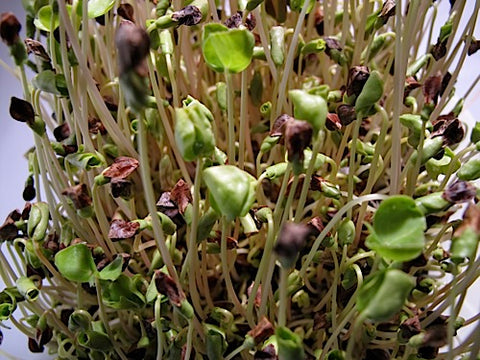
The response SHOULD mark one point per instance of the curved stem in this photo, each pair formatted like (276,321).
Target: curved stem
(338,216)
(150,198)
(353,153)
(282,309)
(290,58)
(308,176)
(243,121)
(225,268)
(230,118)
(267,254)
(103,317)
(192,258)
(188,349)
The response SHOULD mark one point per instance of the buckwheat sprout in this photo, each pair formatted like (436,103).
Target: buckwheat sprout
(98,103)
(338,216)
(165,121)
(290,57)
(265,43)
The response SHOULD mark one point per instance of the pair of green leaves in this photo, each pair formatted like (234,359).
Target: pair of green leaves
(227,50)
(51,83)
(232,191)
(398,229)
(193,130)
(76,264)
(309,107)
(48,16)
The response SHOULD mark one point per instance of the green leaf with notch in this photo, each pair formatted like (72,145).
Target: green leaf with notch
(398,229)
(113,270)
(227,50)
(76,263)
(45,16)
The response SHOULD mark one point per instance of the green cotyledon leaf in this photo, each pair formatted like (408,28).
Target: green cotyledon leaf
(98,8)
(227,50)
(398,229)
(232,191)
(382,295)
(76,263)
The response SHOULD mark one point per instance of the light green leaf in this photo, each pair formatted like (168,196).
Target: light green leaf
(309,107)
(122,293)
(227,50)
(372,92)
(398,227)
(113,270)
(232,191)
(50,82)
(76,263)
(45,15)
(382,295)
(98,8)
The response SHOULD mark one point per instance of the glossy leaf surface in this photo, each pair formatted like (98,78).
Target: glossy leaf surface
(113,270)
(308,107)
(76,263)
(232,191)
(383,295)
(193,130)
(397,232)
(227,50)
(98,8)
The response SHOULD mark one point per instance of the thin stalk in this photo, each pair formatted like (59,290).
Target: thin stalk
(97,101)
(173,81)
(288,205)
(333,300)
(43,173)
(237,351)
(9,275)
(283,286)
(318,142)
(266,256)
(192,258)
(266,287)
(359,38)
(399,83)
(468,277)
(468,31)
(230,118)
(352,162)
(102,220)
(343,145)
(166,124)
(158,325)
(206,287)
(338,216)
(264,40)
(277,212)
(225,268)
(290,57)
(243,120)
(188,349)
(150,198)
(336,333)
(475,349)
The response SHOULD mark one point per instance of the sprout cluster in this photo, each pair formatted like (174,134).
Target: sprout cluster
(251,179)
